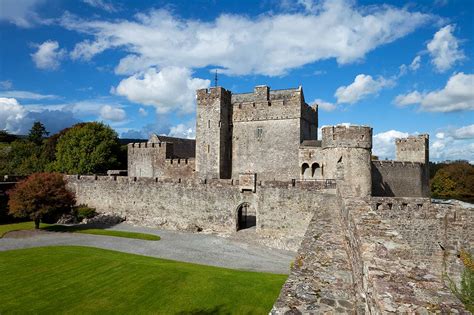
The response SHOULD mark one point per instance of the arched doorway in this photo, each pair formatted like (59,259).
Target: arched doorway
(246,216)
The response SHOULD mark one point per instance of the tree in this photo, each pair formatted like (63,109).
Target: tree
(39,195)
(89,148)
(37,133)
(454,180)
(6,137)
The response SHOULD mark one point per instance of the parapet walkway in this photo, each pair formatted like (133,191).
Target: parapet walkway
(196,248)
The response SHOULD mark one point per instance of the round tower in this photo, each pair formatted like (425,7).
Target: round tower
(348,150)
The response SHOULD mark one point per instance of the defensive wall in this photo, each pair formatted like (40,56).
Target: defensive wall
(283,208)
(148,159)
(397,178)
(378,256)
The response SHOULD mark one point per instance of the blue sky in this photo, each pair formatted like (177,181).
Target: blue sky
(400,68)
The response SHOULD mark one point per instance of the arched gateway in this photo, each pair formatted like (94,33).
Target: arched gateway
(246,216)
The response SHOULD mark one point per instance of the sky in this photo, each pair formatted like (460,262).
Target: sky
(401,67)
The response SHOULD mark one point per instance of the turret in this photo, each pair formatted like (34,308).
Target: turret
(348,152)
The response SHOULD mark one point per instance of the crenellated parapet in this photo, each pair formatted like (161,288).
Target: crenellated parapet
(343,136)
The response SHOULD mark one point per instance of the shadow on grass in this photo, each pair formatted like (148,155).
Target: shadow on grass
(76,227)
(208,311)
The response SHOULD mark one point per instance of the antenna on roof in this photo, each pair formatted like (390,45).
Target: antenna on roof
(215,79)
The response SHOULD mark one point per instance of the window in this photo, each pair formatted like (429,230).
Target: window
(208,148)
(208,124)
(259,133)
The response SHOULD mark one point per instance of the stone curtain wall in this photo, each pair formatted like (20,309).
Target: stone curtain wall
(435,232)
(400,179)
(386,275)
(389,277)
(283,209)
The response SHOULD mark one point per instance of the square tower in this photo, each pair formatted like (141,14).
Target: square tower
(413,149)
(213,133)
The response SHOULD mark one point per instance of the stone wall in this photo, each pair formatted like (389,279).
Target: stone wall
(151,160)
(400,179)
(435,232)
(268,127)
(283,209)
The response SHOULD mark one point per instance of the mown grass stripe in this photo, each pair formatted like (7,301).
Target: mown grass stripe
(75,279)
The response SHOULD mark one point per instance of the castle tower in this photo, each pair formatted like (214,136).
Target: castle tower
(213,133)
(416,149)
(348,154)
(413,149)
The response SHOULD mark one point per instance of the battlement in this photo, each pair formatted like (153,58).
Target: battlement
(145,145)
(347,136)
(264,93)
(392,163)
(212,93)
(265,104)
(193,182)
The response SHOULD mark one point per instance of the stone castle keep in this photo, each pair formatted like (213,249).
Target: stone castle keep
(369,239)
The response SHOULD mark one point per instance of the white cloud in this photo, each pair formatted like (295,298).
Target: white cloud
(444,49)
(242,45)
(410,98)
(187,131)
(12,115)
(21,13)
(48,56)
(142,112)
(101,4)
(363,86)
(27,95)
(415,64)
(326,106)
(384,143)
(18,119)
(454,144)
(108,112)
(466,132)
(170,89)
(457,95)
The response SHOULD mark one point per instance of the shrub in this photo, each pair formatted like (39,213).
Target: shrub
(84,212)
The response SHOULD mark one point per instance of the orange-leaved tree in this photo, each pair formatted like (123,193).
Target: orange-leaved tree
(39,195)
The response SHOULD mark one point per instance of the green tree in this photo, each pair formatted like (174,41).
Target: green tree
(454,180)
(90,148)
(37,133)
(41,194)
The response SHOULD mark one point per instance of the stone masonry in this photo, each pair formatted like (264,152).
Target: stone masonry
(368,238)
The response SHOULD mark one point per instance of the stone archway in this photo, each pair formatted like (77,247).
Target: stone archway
(246,216)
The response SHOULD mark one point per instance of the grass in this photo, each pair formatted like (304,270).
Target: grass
(88,230)
(85,280)
(76,229)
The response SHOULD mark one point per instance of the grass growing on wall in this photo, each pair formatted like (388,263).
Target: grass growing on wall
(86,280)
(5,228)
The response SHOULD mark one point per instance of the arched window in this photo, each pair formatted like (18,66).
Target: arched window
(316,171)
(305,171)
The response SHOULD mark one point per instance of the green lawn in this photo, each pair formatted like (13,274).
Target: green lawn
(73,279)
(76,229)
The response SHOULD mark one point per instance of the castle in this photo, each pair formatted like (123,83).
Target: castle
(368,238)
(273,135)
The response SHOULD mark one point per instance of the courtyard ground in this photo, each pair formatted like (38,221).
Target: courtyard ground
(206,249)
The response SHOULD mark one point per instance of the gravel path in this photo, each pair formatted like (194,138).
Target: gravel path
(203,249)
